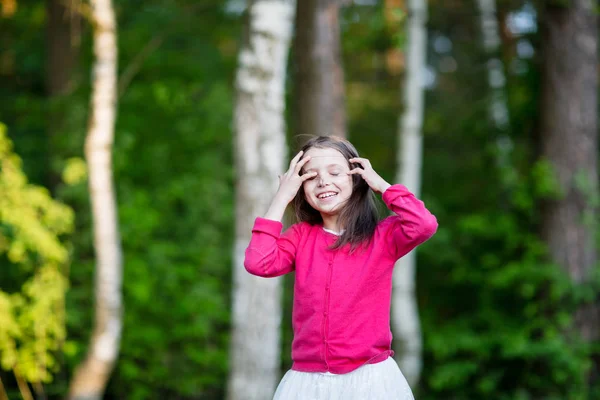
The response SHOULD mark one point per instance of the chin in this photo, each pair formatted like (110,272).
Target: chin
(331,210)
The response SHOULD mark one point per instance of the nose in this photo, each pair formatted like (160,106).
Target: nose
(323,182)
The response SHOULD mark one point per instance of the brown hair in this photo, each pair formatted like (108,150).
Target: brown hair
(359,215)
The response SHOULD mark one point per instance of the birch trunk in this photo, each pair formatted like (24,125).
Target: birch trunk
(260,157)
(405,315)
(319,78)
(92,375)
(569,141)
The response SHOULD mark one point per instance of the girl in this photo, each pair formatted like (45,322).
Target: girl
(343,258)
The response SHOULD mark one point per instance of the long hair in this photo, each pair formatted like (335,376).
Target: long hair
(358,216)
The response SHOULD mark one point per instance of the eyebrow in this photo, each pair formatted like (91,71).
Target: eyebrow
(328,166)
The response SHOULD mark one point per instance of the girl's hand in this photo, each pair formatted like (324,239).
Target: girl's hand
(290,182)
(376,182)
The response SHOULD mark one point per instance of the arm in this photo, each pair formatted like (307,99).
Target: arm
(412,225)
(269,253)
(289,184)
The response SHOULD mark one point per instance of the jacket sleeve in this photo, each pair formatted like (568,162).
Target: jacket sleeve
(412,223)
(271,253)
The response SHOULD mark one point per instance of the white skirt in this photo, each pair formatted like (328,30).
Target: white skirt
(381,381)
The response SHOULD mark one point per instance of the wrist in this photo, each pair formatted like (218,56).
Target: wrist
(277,208)
(383,187)
(282,199)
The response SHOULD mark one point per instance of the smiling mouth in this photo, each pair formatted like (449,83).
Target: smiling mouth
(326,195)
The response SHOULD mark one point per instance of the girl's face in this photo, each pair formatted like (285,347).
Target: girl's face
(332,186)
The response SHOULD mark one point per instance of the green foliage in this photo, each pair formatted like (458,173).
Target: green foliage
(496,315)
(494,312)
(544,181)
(502,330)
(75,171)
(174,178)
(32,319)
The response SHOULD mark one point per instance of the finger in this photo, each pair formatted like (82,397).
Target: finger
(355,171)
(295,159)
(363,161)
(308,175)
(301,163)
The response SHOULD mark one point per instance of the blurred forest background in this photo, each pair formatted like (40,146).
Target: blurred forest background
(507,290)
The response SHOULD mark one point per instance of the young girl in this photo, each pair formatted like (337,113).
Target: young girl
(343,258)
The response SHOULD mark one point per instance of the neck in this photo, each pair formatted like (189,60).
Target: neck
(330,222)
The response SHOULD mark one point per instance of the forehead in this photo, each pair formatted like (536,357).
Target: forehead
(324,158)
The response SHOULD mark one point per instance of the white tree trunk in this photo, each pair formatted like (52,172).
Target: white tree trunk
(260,157)
(498,107)
(405,315)
(91,376)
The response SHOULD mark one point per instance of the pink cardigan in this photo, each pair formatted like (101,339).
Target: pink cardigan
(341,312)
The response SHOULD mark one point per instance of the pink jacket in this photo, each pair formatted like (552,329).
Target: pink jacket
(341,312)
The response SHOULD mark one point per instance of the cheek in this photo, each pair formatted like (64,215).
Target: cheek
(308,186)
(346,181)
(349,186)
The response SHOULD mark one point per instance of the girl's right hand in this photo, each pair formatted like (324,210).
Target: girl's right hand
(290,182)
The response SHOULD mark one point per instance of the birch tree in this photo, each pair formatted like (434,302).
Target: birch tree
(260,156)
(92,375)
(319,79)
(569,142)
(405,315)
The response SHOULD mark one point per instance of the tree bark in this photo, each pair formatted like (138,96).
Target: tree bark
(498,105)
(319,78)
(260,156)
(498,109)
(91,377)
(62,45)
(569,141)
(405,314)
(62,57)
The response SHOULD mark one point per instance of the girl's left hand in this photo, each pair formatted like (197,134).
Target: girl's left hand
(376,182)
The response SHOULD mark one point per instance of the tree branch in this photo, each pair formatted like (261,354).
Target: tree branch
(136,64)
(3,394)
(23,387)
(155,42)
